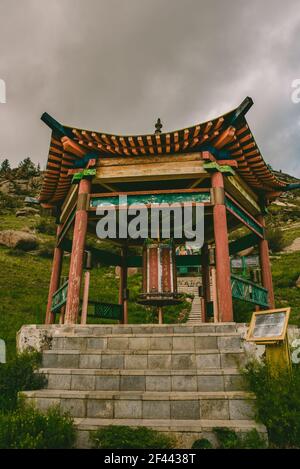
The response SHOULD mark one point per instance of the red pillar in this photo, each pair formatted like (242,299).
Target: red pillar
(123,286)
(76,263)
(205,281)
(265,265)
(55,279)
(222,250)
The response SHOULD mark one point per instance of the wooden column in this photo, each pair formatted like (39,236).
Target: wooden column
(76,263)
(222,250)
(55,278)
(85,299)
(123,286)
(205,281)
(265,265)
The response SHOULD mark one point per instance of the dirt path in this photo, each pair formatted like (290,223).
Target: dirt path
(295,246)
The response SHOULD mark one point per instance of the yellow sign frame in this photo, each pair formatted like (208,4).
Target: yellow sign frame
(268,340)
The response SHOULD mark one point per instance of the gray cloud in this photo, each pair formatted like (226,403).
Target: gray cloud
(116,65)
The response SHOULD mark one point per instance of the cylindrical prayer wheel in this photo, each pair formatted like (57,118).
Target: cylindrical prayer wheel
(159,275)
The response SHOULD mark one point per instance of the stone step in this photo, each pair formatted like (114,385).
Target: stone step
(228,379)
(229,340)
(147,405)
(144,359)
(184,431)
(100,329)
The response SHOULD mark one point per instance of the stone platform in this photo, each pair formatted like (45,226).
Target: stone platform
(179,379)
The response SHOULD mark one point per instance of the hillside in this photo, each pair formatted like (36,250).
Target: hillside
(24,276)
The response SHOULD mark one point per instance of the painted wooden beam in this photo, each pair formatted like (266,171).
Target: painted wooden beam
(57,128)
(243,216)
(243,243)
(107,258)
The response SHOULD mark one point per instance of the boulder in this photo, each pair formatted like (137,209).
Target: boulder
(27,211)
(18,240)
(298,282)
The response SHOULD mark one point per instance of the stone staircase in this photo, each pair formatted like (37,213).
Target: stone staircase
(190,286)
(178,379)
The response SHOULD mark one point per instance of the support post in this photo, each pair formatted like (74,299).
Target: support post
(265,265)
(55,278)
(160,315)
(205,281)
(85,299)
(123,300)
(76,263)
(222,250)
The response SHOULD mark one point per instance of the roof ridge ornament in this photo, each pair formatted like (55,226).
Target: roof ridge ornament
(158,126)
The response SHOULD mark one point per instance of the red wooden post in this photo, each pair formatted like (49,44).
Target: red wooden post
(205,281)
(76,263)
(123,287)
(124,272)
(160,315)
(265,265)
(222,250)
(85,299)
(55,278)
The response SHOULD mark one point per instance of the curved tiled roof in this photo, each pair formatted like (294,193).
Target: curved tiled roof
(226,137)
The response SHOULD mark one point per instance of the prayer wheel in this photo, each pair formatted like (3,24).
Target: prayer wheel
(159,275)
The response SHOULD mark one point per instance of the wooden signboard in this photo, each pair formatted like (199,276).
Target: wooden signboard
(269,326)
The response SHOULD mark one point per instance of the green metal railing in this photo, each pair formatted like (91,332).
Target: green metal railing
(59,298)
(246,290)
(106,310)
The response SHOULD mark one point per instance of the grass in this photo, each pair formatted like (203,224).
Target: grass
(286,270)
(9,221)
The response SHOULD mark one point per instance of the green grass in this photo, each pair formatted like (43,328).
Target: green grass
(9,221)
(286,270)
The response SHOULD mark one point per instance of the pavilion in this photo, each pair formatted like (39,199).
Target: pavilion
(216,163)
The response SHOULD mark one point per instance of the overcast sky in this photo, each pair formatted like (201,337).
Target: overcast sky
(116,65)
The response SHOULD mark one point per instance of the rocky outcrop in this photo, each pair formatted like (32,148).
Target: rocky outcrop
(27,212)
(18,240)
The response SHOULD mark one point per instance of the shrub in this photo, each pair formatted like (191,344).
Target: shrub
(19,375)
(202,443)
(122,437)
(229,439)
(46,226)
(8,202)
(276,239)
(29,428)
(277,402)
(46,250)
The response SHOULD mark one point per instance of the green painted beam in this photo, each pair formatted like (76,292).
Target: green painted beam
(181,261)
(104,257)
(243,216)
(213,166)
(201,197)
(243,243)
